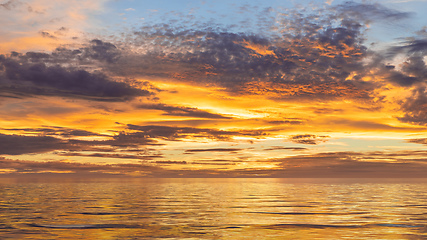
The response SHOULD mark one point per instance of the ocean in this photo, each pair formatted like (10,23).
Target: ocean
(213,208)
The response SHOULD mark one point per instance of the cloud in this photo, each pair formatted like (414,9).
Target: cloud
(274,148)
(20,166)
(328,164)
(295,56)
(347,164)
(8,5)
(170,162)
(182,111)
(308,139)
(418,140)
(177,133)
(96,53)
(114,155)
(54,131)
(411,74)
(23,20)
(68,142)
(47,35)
(312,55)
(17,144)
(30,74)
(415,107)
(370,12)
(100,50)
(230,150)
(306,56)
(411,47)
(63,139)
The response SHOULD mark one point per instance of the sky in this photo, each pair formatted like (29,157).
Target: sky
(232,88)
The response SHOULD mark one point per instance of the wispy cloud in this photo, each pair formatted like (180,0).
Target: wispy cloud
(229,150)
(182,111)
(308,139)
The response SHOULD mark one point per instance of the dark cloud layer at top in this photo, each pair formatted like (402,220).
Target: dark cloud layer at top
(297,54)
(242,63)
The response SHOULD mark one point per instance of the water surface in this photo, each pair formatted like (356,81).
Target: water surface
(213,209)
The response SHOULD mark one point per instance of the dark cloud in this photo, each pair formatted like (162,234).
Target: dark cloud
(308,139)
(370,12)
(62,139)
(182,111)
(412,73)
(176,133)
(50,142)
(294,55)
(96,51)
(113,155)
(214,163)
(349,164)
(415,107)
(230,150)
(8,5)
(357,159)
(413,70)
(233,61)
(54,131)
(17,144)
(126,140)
(411,47)
(330,164)
(67,142)
(324,111)
(47,35)
(51,166)
(418,140)
(274,148)
(30,75)
(103,51)
(291,122)
(354,124)
(170,162)
(297,55)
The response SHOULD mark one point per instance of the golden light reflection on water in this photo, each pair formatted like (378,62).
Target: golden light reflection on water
(213,209)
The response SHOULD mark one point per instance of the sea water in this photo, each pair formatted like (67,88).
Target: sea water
(213,208)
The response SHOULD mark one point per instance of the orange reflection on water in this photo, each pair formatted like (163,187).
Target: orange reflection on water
(212,209)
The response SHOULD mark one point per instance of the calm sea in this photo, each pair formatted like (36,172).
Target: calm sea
(214,209)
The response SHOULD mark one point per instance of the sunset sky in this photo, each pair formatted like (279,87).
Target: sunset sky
(225,88)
